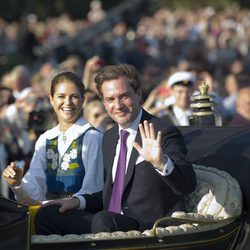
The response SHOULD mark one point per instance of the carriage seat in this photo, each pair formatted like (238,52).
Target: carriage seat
(216,201)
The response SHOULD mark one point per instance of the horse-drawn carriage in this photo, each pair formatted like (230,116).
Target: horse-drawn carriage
(218,211)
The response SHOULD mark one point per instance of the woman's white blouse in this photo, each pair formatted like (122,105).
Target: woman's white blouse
(34,181)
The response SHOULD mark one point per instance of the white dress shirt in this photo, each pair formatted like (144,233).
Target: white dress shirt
(169,166)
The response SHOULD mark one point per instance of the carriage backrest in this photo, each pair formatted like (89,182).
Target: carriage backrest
(217,194)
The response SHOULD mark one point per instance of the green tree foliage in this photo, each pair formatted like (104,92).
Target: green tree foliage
(15,9)
(12,10)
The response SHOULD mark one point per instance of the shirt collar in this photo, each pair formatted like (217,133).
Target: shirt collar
(132,129)
(78,128)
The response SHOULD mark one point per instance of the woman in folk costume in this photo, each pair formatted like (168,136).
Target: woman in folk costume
(67,160)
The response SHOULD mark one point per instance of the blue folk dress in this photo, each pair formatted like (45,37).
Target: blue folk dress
(64,175)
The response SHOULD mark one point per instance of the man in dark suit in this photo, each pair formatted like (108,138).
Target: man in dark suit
(157,172)
(147,172)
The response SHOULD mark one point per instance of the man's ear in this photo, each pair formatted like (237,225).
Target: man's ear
(139,93)
(104,104)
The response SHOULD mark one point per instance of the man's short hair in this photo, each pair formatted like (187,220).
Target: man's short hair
(112,72)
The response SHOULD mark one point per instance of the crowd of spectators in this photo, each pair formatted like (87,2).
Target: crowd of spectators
(213,45)
(28,33)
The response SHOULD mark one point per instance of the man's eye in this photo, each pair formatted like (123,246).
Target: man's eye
(125,97)
(109,100)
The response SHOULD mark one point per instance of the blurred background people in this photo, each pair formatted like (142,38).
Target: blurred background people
(242,115)
(96,12)
(6,98)
(181,86)
(20,81)
(231,88)
(94,112)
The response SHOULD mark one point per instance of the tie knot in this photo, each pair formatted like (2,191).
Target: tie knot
(124,135)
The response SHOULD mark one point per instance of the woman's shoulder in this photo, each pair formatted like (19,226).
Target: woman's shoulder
(82,127)
(50,133)
(93,132)
(47,135)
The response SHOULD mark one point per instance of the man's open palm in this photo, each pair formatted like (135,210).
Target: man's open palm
(151,145)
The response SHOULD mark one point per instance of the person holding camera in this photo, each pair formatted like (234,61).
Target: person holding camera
(67,160)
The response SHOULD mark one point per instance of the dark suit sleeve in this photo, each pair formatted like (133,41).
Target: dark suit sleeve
(93,202)
(182,179)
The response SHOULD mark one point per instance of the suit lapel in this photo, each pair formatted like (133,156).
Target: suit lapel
(132,161)
(109,151)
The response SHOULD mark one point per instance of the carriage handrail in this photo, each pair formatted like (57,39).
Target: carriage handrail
(191,221)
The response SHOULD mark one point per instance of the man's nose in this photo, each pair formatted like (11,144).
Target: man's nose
(118,103)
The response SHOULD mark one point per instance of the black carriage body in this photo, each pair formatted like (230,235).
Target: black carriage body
(224,148)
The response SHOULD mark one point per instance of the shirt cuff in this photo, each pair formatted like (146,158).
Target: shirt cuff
(20,192)
(16,187)
(82,200)
(168,168)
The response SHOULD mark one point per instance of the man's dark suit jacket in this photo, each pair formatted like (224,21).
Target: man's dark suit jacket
(147,194)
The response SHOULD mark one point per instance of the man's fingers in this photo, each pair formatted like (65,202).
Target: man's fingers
(63,208)
(146,128)
(152,131)
(142,132)
(52,202)
(64,205)
(137,146)
(159,138)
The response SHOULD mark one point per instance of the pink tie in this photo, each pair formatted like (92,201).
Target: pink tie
(116,196)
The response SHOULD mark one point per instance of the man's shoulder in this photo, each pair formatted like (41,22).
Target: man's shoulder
(162,123)
(111,132)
